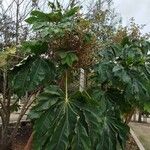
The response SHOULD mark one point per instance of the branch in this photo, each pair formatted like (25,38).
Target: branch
(4,85)
(8,8)
(15,102)
(3,106)
(27,104)
(2,115)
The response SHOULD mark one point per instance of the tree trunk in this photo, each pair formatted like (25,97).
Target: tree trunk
(5,114)
(134,116)
(140,117)
(5,145)
(128,117)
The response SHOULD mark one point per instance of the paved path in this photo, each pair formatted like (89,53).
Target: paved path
(142,131)
(14,116)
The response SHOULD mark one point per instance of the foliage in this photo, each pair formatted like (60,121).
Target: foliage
(66,125)
(62,118)
(64,30)
(118,81)
(74,123)
(5,57)
(105,20)
(124,69)
(31,75)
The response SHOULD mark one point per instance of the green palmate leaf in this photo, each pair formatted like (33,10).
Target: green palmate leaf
(104,71)
(147,70)
(37,16)
(117,68)
(68,58)
(34,47)
(31,74)
(138,91)
(128,71)
(117,98)
(147,107)
(72,11)
(40,69)
(119,71)
(20,73)
(45,100)
(31,20)
(60,124)
(112,131)
(81,139)
(75,124)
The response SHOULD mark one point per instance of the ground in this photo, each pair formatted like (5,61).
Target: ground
(22,137)
(13,118)
(142,131)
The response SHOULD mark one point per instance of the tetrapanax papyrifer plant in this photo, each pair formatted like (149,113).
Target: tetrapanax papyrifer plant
(64,117)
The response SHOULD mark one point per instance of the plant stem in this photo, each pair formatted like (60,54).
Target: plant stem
(29,143)
(66,88)
(28,102)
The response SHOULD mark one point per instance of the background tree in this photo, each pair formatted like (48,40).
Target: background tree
(104,19)
(12,32)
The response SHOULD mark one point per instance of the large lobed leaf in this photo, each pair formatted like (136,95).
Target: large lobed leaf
(113,131)
(60,124)
(75,124)
(34,47)
(31,74)
(126,67)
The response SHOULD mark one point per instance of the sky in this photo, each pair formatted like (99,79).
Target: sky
(139,9)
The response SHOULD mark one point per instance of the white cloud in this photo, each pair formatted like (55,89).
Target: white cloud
(139,9)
